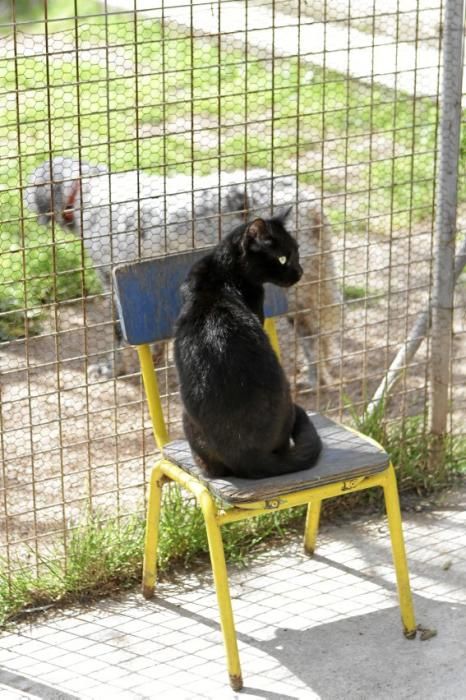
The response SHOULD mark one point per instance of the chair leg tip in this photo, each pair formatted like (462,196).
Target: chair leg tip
(410,634)
(236,682)
(309,551)
(147,591)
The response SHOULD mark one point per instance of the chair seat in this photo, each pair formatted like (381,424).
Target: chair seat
(346,455)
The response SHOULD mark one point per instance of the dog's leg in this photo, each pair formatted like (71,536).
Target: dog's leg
(309,347)
(316,330)
(111,364)
(316,300)
(158,354)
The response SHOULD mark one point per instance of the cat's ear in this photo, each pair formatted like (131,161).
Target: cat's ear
(284,214)
(255,235)
(256,230)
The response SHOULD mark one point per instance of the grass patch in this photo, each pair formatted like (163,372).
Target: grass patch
(407,441)
(45,272)
(153,81)
(105,555)
(354,293)
(101,556)
(30,15)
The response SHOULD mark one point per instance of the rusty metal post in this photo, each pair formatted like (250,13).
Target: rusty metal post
(418,333)
(445,223)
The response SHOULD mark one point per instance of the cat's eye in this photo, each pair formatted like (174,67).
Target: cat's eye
(282,259)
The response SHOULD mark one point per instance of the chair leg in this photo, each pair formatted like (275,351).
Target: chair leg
(152,533)
(392,505)
(217,557)
(312,526)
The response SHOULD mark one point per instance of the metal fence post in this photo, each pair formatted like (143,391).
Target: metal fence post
(445,224)
(417,334)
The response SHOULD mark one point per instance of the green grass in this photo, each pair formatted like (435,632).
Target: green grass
(371,139)
(30,15)
(408,443)
(354,293)
(105,555)
(100,556)
(37,273)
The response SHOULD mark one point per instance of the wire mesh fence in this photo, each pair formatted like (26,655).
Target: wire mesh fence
(133,129)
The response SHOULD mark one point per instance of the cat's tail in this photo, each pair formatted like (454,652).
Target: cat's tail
(303,455)
(307,443)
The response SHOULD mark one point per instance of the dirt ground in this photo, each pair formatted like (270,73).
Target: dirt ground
(69,444)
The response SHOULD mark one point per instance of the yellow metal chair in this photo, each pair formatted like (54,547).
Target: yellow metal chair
(147,295)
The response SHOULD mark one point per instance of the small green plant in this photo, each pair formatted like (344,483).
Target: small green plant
(354,293)
(408,443)
(370,423)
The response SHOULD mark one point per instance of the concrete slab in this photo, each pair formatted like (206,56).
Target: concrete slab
(324,627)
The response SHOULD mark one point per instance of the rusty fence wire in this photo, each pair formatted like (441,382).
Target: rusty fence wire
(133,129)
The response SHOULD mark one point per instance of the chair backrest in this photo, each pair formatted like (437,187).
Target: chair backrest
(148,301)
(148,296)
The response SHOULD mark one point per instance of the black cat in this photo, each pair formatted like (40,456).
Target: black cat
(238,413)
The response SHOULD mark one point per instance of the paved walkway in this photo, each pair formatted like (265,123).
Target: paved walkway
(324,627)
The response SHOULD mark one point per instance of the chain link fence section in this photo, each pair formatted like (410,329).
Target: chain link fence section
(139,128)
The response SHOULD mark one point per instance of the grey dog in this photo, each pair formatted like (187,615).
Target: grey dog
(126,216)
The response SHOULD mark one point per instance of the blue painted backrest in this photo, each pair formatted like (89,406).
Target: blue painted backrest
(148,296)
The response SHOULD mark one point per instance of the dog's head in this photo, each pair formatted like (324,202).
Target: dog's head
(55,189)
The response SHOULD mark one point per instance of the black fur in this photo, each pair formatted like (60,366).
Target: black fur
(238,413)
